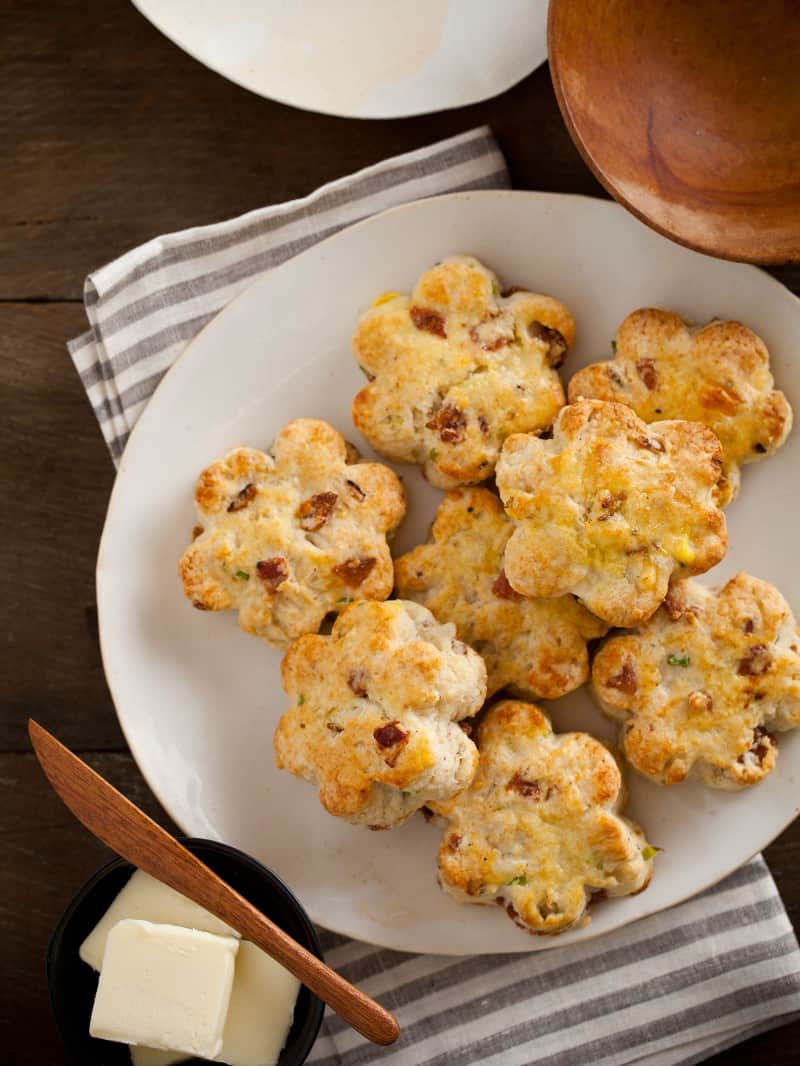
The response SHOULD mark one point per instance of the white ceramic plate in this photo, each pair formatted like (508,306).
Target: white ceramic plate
(198,699)
(361,58)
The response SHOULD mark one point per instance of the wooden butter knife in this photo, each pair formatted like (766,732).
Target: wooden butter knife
(132,834)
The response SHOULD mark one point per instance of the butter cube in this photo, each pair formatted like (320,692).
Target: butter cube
(165,987)
(260,1011)
(260,1014)
(144,897)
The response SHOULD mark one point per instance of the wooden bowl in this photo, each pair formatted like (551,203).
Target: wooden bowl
(688,112)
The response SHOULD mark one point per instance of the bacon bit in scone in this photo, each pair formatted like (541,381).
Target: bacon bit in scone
(392,737)
(466,727)
(428,320)
(553,338)
(762,742)
(355,491)
(273,572)
(355,571)
(386,736)
(757,661)
(760,448)
(196,532)
(646,369)
(454,842)
(625,680)
(450,422)
(503,590)
(244,497)
(650,443)
(610,502)
(200,606)
(700,701)
(357,681)
(315,511)
(530,789)
(334,728)
(749,625)
(484,425)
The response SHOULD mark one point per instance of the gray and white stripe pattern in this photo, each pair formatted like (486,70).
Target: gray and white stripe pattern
(146,306)
(674,988)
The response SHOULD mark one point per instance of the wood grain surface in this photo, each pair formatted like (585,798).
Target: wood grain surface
(111,135)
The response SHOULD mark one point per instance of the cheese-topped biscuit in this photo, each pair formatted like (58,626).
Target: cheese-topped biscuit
(539,830)
(704,684)
(718,375)
(456,367)
(289,535)
(375,712)
(610,508)
(536,646)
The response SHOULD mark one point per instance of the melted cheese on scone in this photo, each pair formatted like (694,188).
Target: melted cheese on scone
(719,375)
(702,686)
(456,368)
(375,712)
(287,536)
(537,646)
(610,508)
(539,830)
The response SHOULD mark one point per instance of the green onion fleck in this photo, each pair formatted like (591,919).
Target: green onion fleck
(649,851)
(678,660)
(344,599)
(614,347)
(301,700)
(495,289)
(242,575)
(521,880)
(432,454)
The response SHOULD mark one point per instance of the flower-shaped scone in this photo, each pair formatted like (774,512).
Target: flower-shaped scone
(535,646)
(702,686)
(718,375)
(289,535)
(457,367)
(610,508)
(375,712)
(539,830)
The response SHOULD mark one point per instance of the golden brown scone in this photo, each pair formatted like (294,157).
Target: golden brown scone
(457,367)
(704,683)
(718,375)
(539,831)
(538,647)
(375,712)
(610,508)
(289,535)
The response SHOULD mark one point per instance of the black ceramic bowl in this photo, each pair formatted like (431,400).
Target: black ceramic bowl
(73,983)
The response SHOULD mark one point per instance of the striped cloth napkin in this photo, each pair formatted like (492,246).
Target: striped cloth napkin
(674,988)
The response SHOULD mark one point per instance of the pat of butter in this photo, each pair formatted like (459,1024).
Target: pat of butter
(165,987)
(260,1014)
(144,897)
(261,1010)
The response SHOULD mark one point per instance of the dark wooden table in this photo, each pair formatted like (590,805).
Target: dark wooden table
(111,136)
